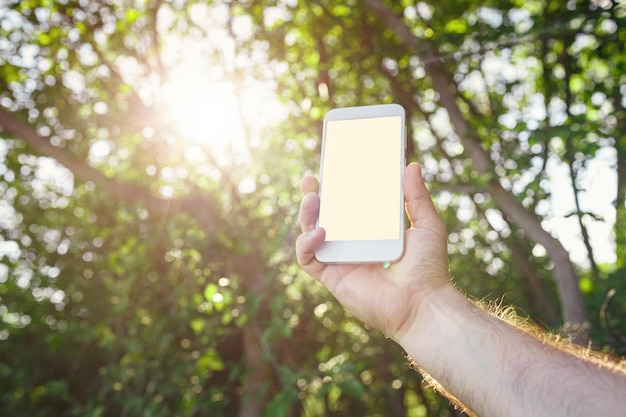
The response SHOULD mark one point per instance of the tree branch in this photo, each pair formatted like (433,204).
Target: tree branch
(571,162)
(565,275)
(202,210)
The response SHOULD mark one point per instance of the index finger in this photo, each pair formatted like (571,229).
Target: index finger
(309,212)
(309,184)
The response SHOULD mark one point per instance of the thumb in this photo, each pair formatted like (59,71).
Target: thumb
(418,203)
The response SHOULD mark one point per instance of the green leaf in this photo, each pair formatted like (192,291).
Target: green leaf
(44,39)
(341,10)
(132,15)
(281,403)
(211,361)
(353,388)
(197,325)
(210,291)
(586,286)
(456,26)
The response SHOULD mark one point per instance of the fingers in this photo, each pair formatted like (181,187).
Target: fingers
(309,208)
(309,211)
(309,184)
(419,205)
(311,238)
(305,251)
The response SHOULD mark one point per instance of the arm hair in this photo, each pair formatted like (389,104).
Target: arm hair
(560,342)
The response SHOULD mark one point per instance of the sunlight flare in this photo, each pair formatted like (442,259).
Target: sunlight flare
(203,111)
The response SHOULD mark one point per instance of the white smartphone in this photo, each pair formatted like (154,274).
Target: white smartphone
(361,197)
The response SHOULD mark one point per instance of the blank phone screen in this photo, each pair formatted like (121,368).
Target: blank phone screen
(360,195)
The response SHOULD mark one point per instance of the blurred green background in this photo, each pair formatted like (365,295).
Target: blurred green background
(150,155)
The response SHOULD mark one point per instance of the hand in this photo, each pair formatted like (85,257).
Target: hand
(385,298)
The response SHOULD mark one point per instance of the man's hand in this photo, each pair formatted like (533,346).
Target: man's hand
(385,298)
(494,368)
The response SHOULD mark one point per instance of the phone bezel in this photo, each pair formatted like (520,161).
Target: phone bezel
(366,251)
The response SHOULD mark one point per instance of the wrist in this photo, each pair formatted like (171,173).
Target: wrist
(435,324)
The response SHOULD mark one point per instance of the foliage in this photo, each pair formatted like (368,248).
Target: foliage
(145,271)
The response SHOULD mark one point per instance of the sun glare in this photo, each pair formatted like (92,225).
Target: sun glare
(204,111)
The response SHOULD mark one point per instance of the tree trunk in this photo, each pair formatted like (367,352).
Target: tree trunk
(620,202)
(258,379)
(394,397)
(540,297)
(259,374)
(620,205)
(572,307)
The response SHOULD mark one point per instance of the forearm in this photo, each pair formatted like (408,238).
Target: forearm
(496,369)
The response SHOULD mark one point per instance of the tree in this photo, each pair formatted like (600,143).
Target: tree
(481,106)
(149,270)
